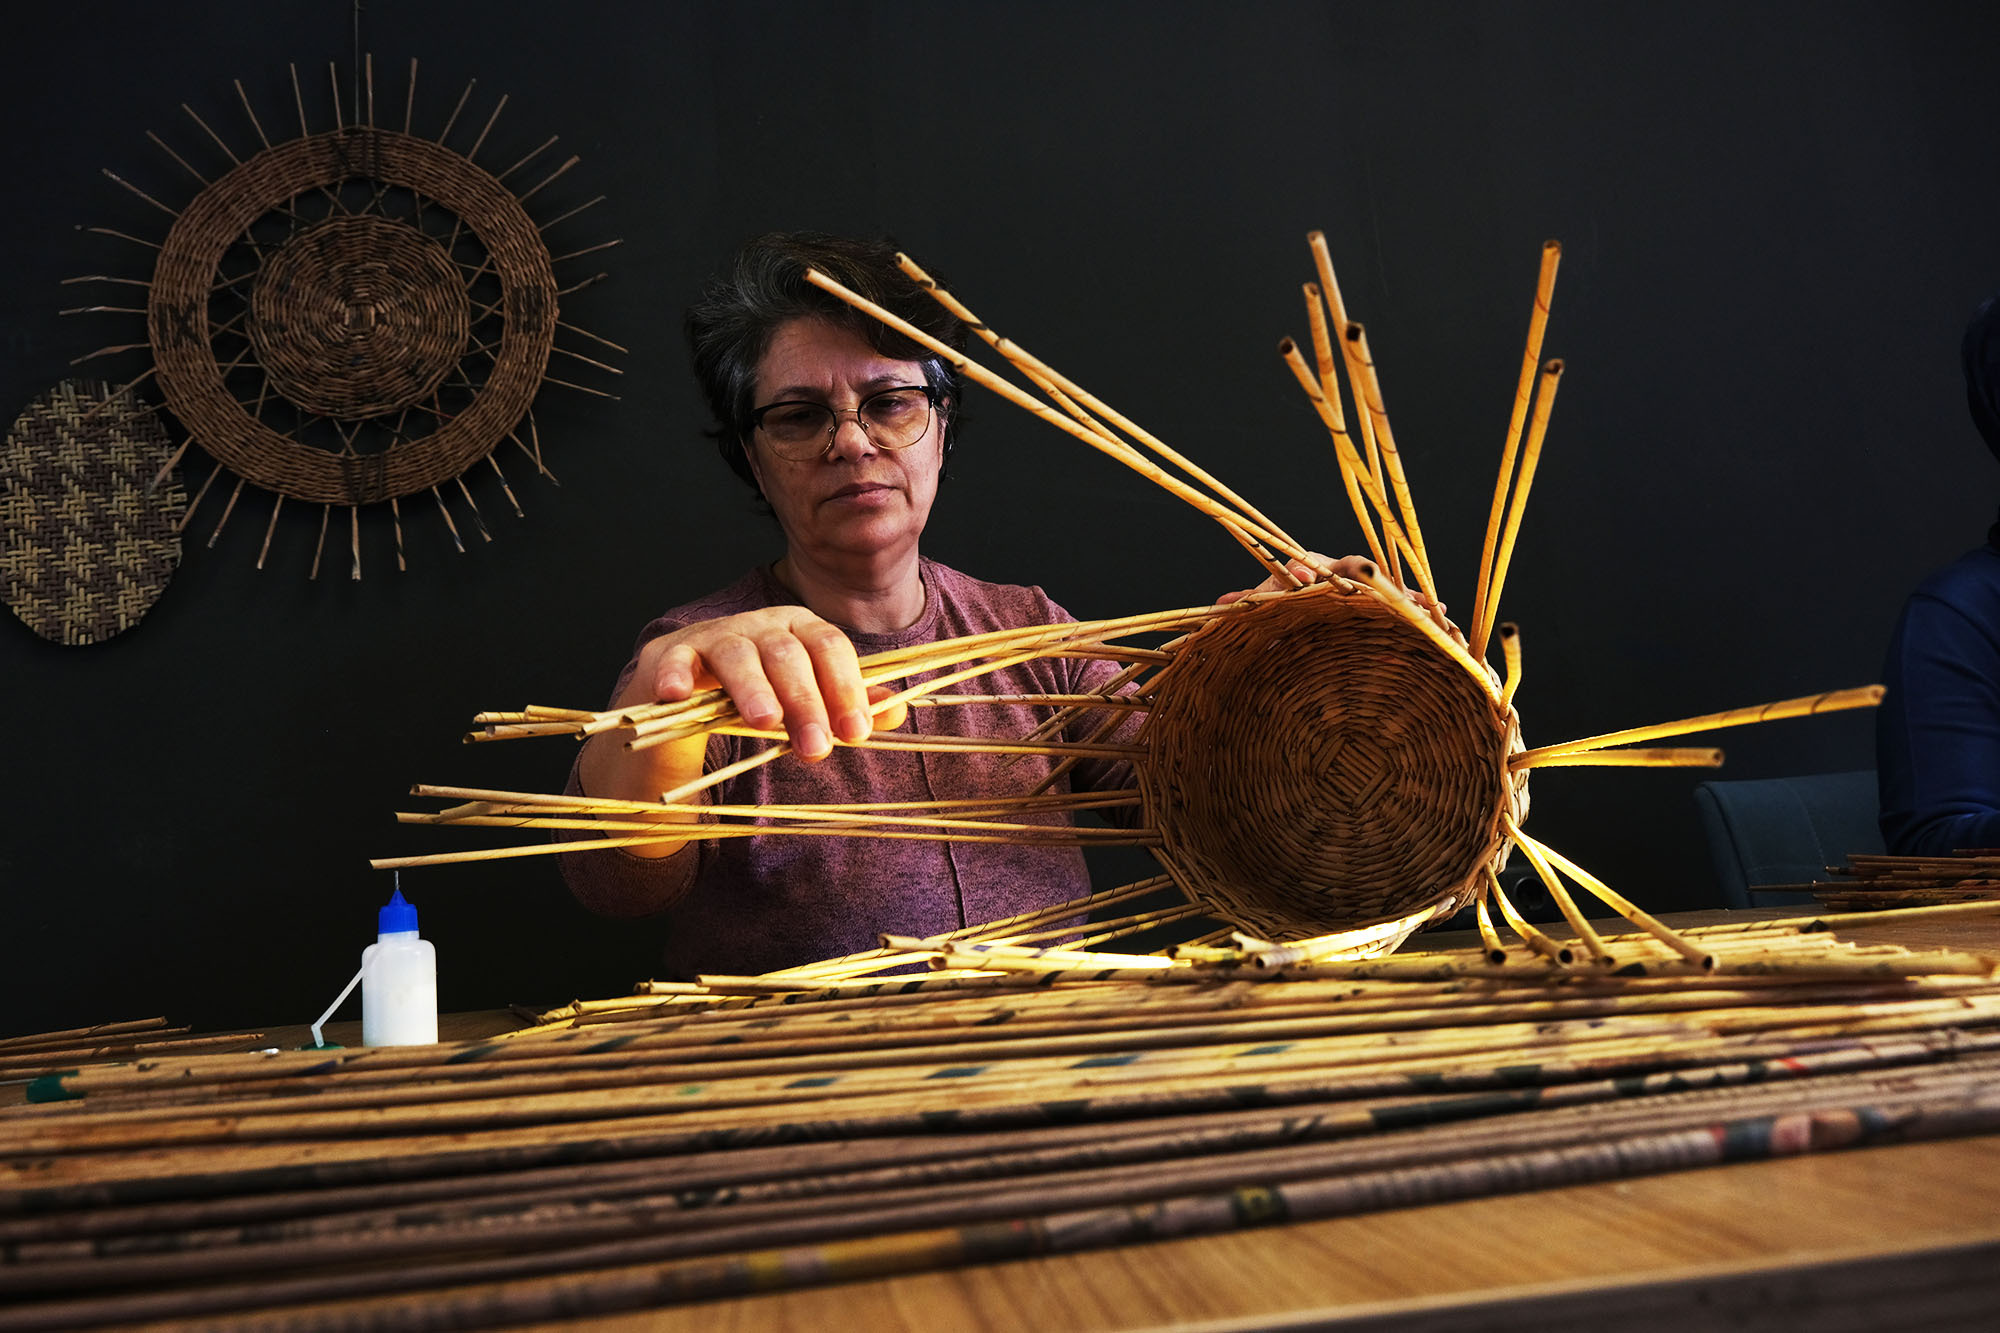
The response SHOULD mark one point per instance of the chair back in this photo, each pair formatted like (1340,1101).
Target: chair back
(1785,831)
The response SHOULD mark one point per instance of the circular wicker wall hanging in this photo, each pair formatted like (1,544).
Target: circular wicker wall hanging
(89,521)
(357,315)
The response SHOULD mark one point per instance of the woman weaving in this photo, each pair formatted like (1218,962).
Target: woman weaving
(842,427)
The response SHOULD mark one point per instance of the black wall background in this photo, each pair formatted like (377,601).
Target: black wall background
(1777,218)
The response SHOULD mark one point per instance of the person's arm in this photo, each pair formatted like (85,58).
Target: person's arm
(1938,734)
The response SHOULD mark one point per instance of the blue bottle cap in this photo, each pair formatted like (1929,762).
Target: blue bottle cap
(396,916)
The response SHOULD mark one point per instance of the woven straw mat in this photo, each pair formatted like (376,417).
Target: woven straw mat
(85,547)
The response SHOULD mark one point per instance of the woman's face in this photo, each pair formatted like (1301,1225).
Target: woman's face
(856,500)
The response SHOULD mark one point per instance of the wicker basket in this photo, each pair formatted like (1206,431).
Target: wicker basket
(1317,762)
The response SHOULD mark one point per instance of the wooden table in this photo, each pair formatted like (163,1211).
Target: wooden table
(1906,1236)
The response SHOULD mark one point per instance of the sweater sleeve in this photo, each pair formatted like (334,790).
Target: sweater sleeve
(1938,732)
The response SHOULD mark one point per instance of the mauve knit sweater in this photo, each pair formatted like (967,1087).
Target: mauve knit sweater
(747,905)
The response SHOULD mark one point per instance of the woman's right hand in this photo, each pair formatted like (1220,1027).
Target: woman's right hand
(780,666)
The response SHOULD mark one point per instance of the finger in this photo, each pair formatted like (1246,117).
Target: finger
(889,718)
(837,673)
(1272,584)
(737,663)
(1353,567)
(678,673)
(788,666)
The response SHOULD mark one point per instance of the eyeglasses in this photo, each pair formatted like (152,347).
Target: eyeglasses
(892,419)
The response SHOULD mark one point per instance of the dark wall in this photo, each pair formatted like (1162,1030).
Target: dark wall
(1776,219)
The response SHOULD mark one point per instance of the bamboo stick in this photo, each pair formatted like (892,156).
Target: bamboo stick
(1592,943)
(1014,957)
(997,649)
(1076,906)
(1657,757)
(1537,941)
(1368,394)
(1538,317)
(33,1063)
(1028,364)
(1330,290)
(891,740)
(718,776)
(503,853)
(1123,453)
(1942,912)
(1128,677)
(1324,391)
(1489,937)
(1119,928)
(1531,454)
(69,1036)
(811,821)
(1663,1049)
(1695,954)
(1086,702)
(509,801)
(1866,696)
(1355,475)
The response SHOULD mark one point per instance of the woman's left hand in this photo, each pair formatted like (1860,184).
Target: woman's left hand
(1358,568)
(1354,567)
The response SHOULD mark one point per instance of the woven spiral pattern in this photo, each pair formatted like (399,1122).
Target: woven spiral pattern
(358,316)
(1316,762)
(333,255)
(85,548)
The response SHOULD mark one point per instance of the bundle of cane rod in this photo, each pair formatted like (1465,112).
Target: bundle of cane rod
(1331,756)
(1873,880)
(822,1132)
(38,1054)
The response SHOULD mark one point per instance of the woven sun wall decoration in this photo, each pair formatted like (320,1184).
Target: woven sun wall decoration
(89,529)
(358,315)
(1335,764)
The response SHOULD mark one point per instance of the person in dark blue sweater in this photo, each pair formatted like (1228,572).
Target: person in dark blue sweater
(1938,732)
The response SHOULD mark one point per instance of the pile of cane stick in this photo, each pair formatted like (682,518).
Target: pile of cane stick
(44,1053)
(731,1138)
(1874,880)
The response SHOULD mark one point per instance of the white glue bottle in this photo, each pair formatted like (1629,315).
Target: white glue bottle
(398,981)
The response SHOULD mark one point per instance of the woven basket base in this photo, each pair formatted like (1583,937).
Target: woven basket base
(1316,763)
